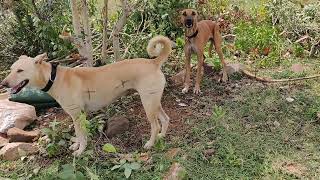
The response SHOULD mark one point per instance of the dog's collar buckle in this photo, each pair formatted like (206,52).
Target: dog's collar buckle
(193,35)
(53,75)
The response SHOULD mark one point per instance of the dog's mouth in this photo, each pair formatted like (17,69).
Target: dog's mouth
(19,87)
(188,23)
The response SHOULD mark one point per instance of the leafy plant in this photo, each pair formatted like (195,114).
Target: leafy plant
(218,112)
(69,172)
(36,27)
(58,137)
(260,41)
(127,167)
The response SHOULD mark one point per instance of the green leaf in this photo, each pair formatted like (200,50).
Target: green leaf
(115,167)
(109,148)
(135,165)
(79,176)
(127,172)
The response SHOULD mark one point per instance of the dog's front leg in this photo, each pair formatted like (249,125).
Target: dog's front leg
(80,141)
(196,89)
(187,53)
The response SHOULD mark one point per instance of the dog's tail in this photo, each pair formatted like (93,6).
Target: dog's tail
(159,47)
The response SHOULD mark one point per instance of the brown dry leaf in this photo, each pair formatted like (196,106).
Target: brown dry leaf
(266,51)
(293,168)
(172,153)
(176,172)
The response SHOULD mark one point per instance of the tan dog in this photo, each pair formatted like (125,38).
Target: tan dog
(89,89)
(197,34)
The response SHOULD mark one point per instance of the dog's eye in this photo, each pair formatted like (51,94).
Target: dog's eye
(193,13)
(19,70)
(184,13)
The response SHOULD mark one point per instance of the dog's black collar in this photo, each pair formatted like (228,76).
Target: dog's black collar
(54,66)
(193,35)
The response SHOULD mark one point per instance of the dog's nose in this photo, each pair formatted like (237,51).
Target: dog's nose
(4,84)
(189,21)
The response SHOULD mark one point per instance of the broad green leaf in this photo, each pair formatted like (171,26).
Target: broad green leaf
(109,148)
(135,165)
(127,172)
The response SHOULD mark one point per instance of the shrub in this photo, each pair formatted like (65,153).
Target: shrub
(35,28)
(261,40)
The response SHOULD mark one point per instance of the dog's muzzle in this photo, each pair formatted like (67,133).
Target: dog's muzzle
(188,22)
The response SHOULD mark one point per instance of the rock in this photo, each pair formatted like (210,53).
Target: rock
(117,125)
(4,96)
(176,172)
(234,68)
(297,68)
(19,135)
(13,114)
(13,151)
(3,141)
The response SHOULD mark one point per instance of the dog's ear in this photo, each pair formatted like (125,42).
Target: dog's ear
(42,57)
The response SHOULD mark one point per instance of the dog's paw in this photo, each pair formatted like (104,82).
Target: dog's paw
(148,145)
(185,89)
(74,146)
(196,90)
(78,152)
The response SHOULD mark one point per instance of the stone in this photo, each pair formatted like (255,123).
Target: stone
(117,125)
(13,114)
(176,172)
(19,135)
(297,68)
(3,141)
(13,151)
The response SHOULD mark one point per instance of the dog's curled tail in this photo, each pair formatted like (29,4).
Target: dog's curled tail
(159,47)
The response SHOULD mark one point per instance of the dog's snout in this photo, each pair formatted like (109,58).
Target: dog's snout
(189,22)
(4,84)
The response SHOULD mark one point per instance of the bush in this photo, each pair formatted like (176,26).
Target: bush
(152,18)
(260,40)
(35,28)
(297,20)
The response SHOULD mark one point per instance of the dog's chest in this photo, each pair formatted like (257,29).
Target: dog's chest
(191,47)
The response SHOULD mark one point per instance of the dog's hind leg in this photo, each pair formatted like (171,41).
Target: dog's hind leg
(151,104)
(217,39)
(164,119)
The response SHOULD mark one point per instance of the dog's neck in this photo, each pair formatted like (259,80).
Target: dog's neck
(190,31)
(46,76)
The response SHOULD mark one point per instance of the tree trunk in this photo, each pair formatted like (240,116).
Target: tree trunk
(104,52)
(117,28)
(82,38)
(87,32)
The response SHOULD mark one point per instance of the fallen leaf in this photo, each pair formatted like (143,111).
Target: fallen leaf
(172,153)
(182,104)
(289,99)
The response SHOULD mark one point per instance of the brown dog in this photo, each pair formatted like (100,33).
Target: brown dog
(197,34)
